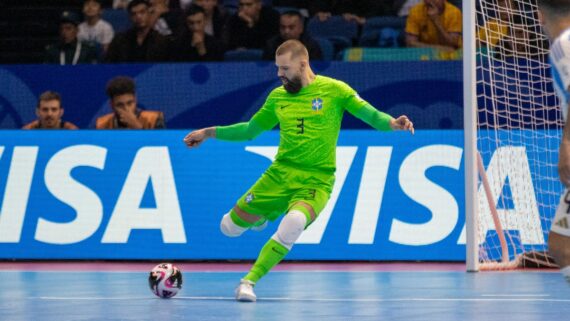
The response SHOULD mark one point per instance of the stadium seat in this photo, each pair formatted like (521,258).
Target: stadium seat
(230,10)
(385,32)
(333,28)
(243,55)
(327,48)
(378,23)
(369,39)
(231,4)
(391,38)
(118,18)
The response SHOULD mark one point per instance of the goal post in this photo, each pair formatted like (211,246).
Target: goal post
(512,128)
(470,132)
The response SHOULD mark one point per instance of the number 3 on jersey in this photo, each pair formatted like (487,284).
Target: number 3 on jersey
(301,125)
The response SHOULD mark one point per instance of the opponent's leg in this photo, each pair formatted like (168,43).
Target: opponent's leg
(559,248)
(559,236)
(289,230)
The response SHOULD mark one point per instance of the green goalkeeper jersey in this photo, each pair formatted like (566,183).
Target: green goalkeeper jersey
(309,121)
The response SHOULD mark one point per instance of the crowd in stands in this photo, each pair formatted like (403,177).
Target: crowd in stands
(510,30)
(217,30)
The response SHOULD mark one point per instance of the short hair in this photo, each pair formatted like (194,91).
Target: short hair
(100,2)
(120,85)
(194,9)
(49,95)
(294,13)
(295,47)
(555,7)
(134,3)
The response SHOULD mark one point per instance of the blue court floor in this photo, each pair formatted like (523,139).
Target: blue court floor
(288,295)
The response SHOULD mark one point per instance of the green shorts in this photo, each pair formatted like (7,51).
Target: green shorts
(281,186)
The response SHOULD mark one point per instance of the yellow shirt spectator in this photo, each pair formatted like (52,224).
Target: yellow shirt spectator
(434,23)
(491,33)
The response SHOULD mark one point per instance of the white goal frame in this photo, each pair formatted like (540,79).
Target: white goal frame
(470,132)
(475,174)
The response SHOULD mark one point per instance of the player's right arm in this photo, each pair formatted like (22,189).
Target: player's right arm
(264,119)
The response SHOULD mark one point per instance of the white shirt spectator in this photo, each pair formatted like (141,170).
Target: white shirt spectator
(405,9)
(102,32)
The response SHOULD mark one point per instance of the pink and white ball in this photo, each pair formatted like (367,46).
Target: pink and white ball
(165,280)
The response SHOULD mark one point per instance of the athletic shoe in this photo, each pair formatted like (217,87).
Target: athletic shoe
(244,291)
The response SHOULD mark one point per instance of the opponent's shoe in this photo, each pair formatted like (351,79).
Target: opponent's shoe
(244,291)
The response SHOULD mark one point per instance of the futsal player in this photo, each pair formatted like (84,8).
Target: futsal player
(309,110)
(555,18)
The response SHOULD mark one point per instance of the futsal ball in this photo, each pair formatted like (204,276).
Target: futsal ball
(165,280)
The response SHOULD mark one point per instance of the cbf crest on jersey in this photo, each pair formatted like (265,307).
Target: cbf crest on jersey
(317,104)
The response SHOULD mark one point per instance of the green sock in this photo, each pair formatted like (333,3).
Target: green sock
(271,254)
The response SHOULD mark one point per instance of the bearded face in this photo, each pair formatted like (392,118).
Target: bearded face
(292,85)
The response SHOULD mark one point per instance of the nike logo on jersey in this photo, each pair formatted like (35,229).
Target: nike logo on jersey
(285,106)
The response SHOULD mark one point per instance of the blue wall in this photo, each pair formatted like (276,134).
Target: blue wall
(198,95)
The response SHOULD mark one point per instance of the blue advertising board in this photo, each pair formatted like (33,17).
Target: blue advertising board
(144,195)
(195,95)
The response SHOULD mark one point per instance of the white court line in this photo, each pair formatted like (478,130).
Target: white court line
(221,298)
(242,271)
(515,295)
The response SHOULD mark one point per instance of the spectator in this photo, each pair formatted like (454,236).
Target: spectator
(251,26)
(94,29)
(166,21)
(69,50)
(140,43)
(216,18)
(194,44)
(49,112)
(521,40)
(351,10)
(494,30)
(126,115)
(292,27)
(434,23)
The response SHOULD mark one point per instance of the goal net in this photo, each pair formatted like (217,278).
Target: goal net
(517,131)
